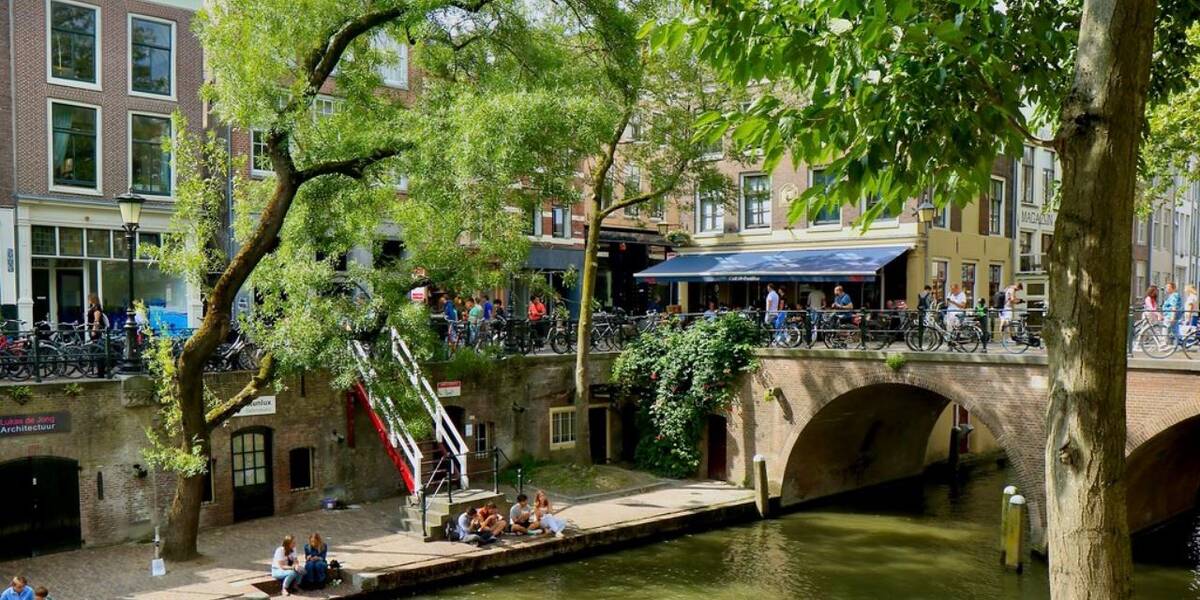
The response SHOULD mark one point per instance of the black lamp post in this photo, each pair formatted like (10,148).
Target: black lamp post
(131,212)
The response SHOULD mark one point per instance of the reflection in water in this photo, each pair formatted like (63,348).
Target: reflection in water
(920,539)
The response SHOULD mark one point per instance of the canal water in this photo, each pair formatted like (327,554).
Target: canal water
(920,539)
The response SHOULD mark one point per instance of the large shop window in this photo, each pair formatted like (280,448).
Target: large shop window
(151,64)
(73,43)
(74,140)
(150,163)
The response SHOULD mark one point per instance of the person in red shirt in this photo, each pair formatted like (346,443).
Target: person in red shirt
(537,312)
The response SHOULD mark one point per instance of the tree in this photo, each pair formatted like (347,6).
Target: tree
(472,144)
(658,95)
(903,96)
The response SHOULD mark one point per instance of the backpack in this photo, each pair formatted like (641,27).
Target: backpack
(998,299)
(451,532)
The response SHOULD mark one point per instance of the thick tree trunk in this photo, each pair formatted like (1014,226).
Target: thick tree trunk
(583,396)
(183,522)
(1087,531)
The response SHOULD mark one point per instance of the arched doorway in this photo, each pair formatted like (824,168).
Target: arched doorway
(251,460)
(41,511)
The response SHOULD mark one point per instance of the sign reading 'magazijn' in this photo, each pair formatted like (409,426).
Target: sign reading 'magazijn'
(55,422)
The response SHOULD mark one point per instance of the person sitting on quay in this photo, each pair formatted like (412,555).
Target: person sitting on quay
(18,590)
(521,518)
(490,519)
(285,567)
(468,529)
(41,593)
(316,569)
(544,513)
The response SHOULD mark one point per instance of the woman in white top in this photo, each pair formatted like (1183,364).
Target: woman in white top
(544,513)
(284,565)
(1191,306)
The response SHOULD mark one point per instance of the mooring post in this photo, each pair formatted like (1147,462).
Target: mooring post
(762,498)
(1009,492)
(1014,533)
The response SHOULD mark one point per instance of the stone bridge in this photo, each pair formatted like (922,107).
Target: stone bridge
(833,421)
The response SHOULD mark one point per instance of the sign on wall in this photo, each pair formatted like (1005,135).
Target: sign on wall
(55,422)
(419,294)
(262,405)
(449,389)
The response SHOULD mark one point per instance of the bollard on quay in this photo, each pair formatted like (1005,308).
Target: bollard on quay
(1014,533)
(1009,492)
(762,498)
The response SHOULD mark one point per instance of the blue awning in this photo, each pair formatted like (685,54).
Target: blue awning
(818,264)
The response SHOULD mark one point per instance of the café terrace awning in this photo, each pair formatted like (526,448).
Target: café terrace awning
(816,265)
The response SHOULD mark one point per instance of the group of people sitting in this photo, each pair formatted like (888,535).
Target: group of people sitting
(19,589)
(312,573)
(484,525)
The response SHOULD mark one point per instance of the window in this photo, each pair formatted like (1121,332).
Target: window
(1048,183)
(995,280)
(209,496)
(99,244)
(710,210)
(260,160)
(151,58)
(562,428)
(75,142)
(249,459)
(713,151)
(561,220)
(534,222)
(1025,242)
(633,187)
(828,215)
(1047,243)
(481,437)
(606,192)
(1143,230)
(324,106)
(941,278)
(43,240)
(1027,176)
(968,282)
(635,128)
(996,207)
(885,214)
(73,44)
(300,466)
(1139,284)
(70,241)
(756,201)
(149,162)
(393,68)
(658,208)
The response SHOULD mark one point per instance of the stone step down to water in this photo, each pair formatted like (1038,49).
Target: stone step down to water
(441,511)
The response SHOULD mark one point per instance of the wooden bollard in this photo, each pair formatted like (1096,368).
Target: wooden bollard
(1009,492)
(762,498)
(1014,533)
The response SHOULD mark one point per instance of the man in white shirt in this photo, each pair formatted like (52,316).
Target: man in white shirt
(772,304)
(1011,300)
(956,302)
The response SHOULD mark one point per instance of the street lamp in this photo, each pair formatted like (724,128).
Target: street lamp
(131,212)
(926,210)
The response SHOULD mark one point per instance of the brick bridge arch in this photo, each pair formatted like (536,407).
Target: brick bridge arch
(804,390)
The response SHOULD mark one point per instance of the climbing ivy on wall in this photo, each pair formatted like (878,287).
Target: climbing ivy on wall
(678,377)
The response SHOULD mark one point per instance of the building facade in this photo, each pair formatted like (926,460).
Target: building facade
(92,88)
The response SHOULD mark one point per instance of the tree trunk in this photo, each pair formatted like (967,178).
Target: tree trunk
(1087,530)
(183,522)
(583,395)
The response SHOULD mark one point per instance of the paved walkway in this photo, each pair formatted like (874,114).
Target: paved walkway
(237,555)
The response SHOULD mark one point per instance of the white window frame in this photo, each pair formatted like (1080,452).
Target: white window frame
(1003,191)
(70,189)
(766,226)
(129,57)
(129,151)
(812,223)
(568,444)
(50,78)
(718,215)
(385,43)
(887,220)
(256,172)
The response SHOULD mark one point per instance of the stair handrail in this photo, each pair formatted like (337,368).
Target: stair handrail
(453,440)
(398,432)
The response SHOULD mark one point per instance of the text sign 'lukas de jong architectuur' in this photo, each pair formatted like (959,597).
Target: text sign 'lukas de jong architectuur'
(55,422)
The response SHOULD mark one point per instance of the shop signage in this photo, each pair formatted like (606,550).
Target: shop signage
(262,405)
(417,294)
(449,389)
(1035,216)
(55,422)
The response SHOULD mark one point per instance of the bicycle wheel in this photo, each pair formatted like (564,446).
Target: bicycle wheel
(1156,341)
(928,341)
(1014,341)
(14,365)
(560,342)
(878,337)
(1189,344)
(967,339)
(49,361)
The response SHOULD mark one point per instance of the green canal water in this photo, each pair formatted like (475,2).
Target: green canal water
(921,539)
